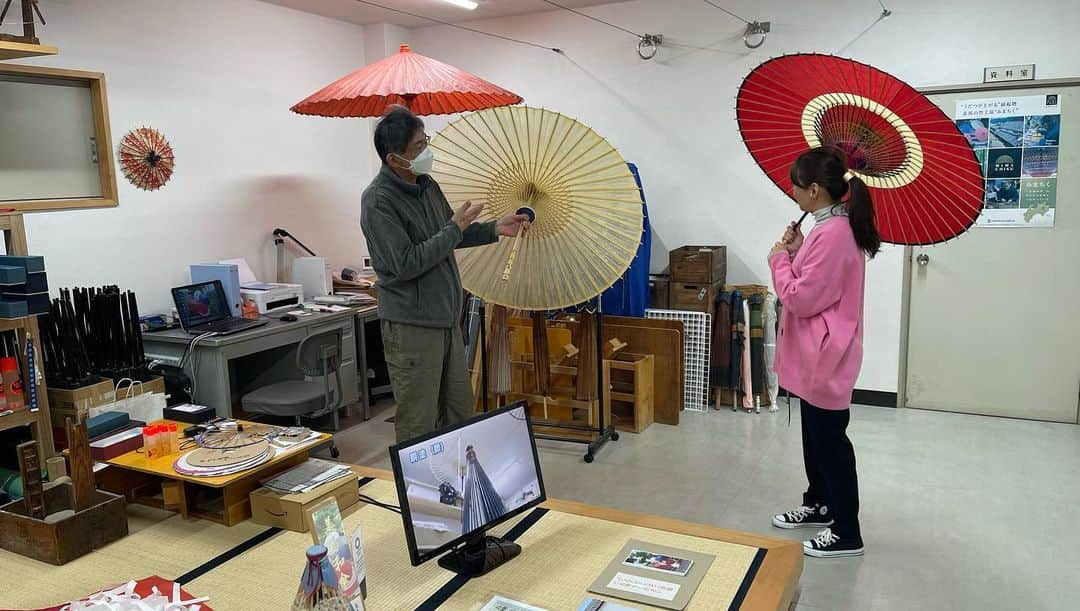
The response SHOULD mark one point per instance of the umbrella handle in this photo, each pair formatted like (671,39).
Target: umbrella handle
(513,255)
(526,211)
(799,222)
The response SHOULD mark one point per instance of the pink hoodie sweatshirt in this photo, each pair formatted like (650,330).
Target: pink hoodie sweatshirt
(819,347)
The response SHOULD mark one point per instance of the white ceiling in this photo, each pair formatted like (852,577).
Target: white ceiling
(363,14)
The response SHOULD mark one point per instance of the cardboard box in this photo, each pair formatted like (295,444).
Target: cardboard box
(288,510)
(63,403)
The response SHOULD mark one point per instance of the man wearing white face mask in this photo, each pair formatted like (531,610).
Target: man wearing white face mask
(412,233)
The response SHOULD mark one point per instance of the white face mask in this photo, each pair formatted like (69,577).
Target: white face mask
(423,162)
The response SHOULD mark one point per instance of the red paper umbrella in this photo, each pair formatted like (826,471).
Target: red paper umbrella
(146,158)
(425,85)
(925,181)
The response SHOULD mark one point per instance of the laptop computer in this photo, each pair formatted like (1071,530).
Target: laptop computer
(203,308)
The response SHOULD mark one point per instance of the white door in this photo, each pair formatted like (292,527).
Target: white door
(994,316)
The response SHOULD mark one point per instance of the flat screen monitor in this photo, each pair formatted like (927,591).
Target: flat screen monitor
(458,482)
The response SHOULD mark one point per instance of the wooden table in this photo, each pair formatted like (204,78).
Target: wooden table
(219,499)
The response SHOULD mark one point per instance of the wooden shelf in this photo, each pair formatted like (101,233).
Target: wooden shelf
(12,324)
(16,50)
(20,418)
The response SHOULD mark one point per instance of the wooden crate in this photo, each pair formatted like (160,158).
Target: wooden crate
(694,297)
(699,264)
(103,522)
(65,403)
(659,292)
(628,379)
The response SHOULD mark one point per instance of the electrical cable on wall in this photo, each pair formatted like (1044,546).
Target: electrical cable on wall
(596,19)
(461,27)
(648,44)
(715,5)
(756,31)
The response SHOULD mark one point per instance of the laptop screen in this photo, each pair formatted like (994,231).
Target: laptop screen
(201,303)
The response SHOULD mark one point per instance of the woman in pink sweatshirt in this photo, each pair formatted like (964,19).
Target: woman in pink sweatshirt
(820,282)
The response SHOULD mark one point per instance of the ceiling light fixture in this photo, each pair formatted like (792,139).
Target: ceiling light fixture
(466,4)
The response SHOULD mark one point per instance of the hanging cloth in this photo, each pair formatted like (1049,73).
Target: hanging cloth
(757,343)
(771,326)
(738,338)
(747,387)
(629,296)
(720,355)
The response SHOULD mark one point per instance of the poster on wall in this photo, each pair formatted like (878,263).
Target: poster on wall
(1016,141)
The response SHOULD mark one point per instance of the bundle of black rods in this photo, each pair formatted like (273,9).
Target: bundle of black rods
(92,332)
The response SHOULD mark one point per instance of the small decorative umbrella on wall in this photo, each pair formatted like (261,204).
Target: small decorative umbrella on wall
(923,175)
(424,85)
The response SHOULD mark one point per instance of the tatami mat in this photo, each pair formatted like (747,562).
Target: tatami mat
(159,543)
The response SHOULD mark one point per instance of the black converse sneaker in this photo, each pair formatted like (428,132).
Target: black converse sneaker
(804,516)
(828,544)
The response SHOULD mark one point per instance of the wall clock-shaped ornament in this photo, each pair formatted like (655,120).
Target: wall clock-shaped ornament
(146,158)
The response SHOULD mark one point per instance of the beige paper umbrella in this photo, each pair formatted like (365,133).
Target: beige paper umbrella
(587,208)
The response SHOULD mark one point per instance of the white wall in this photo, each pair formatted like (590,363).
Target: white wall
(217,77)
(674,116)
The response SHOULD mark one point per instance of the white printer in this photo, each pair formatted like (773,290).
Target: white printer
(270,296)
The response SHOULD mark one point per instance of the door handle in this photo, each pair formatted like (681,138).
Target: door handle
(923,259)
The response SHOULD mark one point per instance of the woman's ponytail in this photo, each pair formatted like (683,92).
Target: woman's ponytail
(861,216)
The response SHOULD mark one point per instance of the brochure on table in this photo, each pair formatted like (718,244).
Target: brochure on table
(654,575)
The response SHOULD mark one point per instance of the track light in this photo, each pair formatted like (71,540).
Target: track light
(466,4)
(755,34)
(648,45)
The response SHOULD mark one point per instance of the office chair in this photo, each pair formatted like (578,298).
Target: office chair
(318,356)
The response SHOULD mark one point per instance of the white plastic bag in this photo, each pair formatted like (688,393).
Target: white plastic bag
(144,407)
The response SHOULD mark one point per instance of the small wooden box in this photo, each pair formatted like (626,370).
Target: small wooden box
(64,404)
(100,524)
(699,264)
(659,292)
(694,297)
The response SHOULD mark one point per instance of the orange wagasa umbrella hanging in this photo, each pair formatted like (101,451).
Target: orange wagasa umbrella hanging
(424,85)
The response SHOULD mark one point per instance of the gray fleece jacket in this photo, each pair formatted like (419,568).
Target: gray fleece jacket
(411,239)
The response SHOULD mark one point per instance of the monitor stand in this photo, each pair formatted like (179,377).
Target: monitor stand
(479,555)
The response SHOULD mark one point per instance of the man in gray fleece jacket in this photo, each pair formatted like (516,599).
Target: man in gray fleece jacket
(411,234)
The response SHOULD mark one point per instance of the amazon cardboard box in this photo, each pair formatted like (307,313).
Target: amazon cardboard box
(287,510)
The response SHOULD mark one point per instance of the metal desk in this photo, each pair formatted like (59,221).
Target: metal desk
(227,367)
(364,315)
